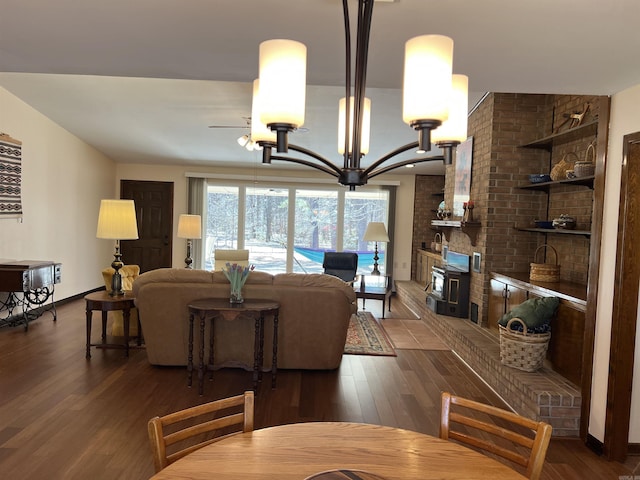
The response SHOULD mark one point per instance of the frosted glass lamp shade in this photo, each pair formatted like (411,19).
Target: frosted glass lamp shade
(283,77)
(189,226)
(454,130)
(376,232)
(117,220)
(427,78)
(259,131)
(366,126)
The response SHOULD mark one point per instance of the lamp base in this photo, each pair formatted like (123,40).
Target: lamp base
(375,270)
(116,280)
(188,260)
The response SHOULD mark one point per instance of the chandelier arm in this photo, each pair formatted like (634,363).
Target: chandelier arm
(347,96)
(306,163)
(397,151)
(404,163)
(318,157)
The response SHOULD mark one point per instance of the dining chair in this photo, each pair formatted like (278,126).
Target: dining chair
(222,257)
(455,410)
(165,433)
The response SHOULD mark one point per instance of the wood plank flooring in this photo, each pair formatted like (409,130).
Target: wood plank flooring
(64,417)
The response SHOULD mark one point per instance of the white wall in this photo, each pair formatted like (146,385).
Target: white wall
(63,180)
(624,120)
(176,174)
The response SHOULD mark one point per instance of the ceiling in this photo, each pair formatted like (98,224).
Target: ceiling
(142,81)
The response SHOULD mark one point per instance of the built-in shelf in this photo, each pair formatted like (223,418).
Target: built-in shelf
(470,229)
(544,186)
(558,231)
(547,143)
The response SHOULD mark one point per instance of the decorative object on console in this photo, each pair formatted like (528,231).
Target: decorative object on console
(117,221)
(237,276)
(544,272)
(375,232)
(436,101)
(189,227)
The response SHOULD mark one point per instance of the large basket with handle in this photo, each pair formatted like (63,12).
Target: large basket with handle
(545,272)
(522,350)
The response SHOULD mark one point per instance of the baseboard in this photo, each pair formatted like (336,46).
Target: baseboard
(594,444)
(77,296)
(633,449)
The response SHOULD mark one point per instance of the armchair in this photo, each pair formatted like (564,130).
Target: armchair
(343,265)
(129,274)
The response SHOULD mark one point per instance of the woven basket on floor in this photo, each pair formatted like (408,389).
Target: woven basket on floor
(544,272)
(522,350)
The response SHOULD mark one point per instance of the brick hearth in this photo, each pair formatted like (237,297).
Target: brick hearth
(542,395)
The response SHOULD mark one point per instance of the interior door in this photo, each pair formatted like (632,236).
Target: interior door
(625,305)
(154,211)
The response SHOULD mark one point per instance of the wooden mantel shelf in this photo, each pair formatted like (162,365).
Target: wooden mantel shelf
(470,229)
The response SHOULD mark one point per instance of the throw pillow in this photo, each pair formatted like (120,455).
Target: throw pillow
(535,312)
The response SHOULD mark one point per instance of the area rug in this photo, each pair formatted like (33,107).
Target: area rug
(366,337)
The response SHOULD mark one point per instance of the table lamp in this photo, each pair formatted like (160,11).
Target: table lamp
(189,227)
(117,221)
(375,232)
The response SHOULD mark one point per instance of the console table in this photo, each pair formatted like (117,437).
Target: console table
(29,285)
(221,308)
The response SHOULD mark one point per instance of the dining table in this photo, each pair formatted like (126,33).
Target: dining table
(317,450)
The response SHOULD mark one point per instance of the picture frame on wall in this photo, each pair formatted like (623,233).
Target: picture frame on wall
(462,185)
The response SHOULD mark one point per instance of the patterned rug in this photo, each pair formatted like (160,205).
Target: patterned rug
(366,337)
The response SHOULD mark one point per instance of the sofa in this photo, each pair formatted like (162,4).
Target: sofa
(315,310)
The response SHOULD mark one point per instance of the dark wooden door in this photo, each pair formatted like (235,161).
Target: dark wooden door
(625,306)
(154,211)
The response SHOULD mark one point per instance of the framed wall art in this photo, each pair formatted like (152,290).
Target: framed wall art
(462,187)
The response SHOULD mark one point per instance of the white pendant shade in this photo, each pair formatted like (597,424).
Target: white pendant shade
(283,76)
(455,128)
(427,78)
(366,126)
(259,131)
(117,220)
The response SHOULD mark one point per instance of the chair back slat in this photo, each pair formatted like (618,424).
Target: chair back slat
(160,440)
(508,428)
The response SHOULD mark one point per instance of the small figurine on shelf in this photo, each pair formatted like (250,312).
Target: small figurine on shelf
(468,211)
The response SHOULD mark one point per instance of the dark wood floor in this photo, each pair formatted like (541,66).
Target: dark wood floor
(63,417)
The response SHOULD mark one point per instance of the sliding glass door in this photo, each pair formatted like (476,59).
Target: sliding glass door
(288,229)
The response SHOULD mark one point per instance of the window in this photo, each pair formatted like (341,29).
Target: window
(288,229)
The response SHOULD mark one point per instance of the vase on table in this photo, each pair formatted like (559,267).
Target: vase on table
(237,276)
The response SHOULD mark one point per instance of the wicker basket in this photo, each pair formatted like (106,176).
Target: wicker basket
(545,272)
(436,244)
(522,350)
(559,171)
(588,167)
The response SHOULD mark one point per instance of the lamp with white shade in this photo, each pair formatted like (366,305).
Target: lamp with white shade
(375,232)
(117,221)
(189,227)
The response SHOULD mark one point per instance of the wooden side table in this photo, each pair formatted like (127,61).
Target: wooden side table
(374,287)
(213,308)
(104,302)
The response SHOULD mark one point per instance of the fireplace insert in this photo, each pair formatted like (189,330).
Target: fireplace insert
(450,287)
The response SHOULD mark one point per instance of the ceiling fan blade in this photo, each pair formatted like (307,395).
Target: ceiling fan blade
(228,126)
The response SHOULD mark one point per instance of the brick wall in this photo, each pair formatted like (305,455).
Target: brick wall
(428,195)
(499,126)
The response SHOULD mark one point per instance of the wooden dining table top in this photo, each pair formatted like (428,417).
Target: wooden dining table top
(301,450)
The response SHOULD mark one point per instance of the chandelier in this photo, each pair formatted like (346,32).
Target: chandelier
(435,103)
